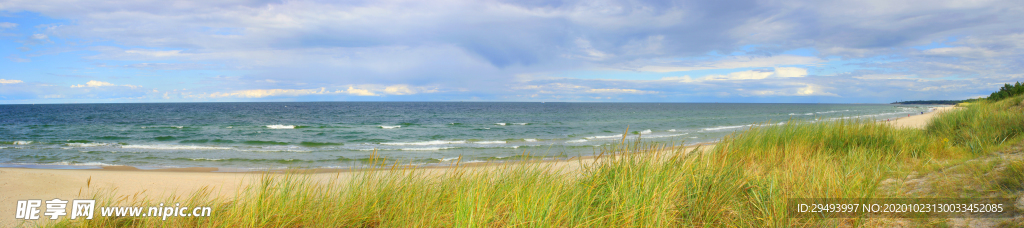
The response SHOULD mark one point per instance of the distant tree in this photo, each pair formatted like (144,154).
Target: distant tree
(1007,91)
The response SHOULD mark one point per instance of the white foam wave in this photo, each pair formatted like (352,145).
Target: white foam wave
(174,147)
(390,127)
(665,136)
(577,141)
(671,130)
(278,126)
(426,148)
(92,144)
(520,123)
(726,127)
(648,131)
(206,159)
(81,163)
(604,137)
(22,142)
(427,143)
(179,127)
(834,111)
(449,159)
(530,140)
(502,124)
(278,150)
(490,142)
(228,127)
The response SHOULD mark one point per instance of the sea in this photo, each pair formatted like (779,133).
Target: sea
(256,136)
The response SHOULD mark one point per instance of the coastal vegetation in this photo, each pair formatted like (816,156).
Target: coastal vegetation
(1007,91)
(932,102)
(744,180)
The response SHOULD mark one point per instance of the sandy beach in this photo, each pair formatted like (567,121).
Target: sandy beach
(46,184)
(919,121)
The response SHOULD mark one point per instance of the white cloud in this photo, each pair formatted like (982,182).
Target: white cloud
(39,36)
(685,78)
(736,62)
(781,72)
(969,52)
(152,53)
(363,90)
(813,90)
(589,52)
(258,93)
(11,81)
(790,72)
(883,76)
(399,90)
(93,83)
(7,25)
(742,75)
(632,91)
(566,88)
(805,90)
(359,92)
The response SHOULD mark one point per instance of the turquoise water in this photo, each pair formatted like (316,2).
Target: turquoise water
(345,134)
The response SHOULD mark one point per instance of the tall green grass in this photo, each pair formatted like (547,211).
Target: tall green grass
(981,125)
(743,181)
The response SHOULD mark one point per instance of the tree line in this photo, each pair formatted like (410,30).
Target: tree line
(1008,90)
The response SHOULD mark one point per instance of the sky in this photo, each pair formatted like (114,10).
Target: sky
(100,51)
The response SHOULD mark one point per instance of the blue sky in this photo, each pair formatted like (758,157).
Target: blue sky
(88,51)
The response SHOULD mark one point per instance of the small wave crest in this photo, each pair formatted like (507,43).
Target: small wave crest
(665,136)
(174,147)
(390,127)
(89,144)
(426,148)
(74,163)
(530,140)
(490,142)
(279,126)
(604,137)
(500,124)
(206,159)
(449,159)
(577,141)
(726,127)
(426,143)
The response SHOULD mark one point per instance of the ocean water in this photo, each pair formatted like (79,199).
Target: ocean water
(346,134)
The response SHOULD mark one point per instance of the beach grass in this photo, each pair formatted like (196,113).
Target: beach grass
(742,181)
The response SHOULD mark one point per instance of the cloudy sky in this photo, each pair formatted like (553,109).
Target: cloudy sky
(99,51)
